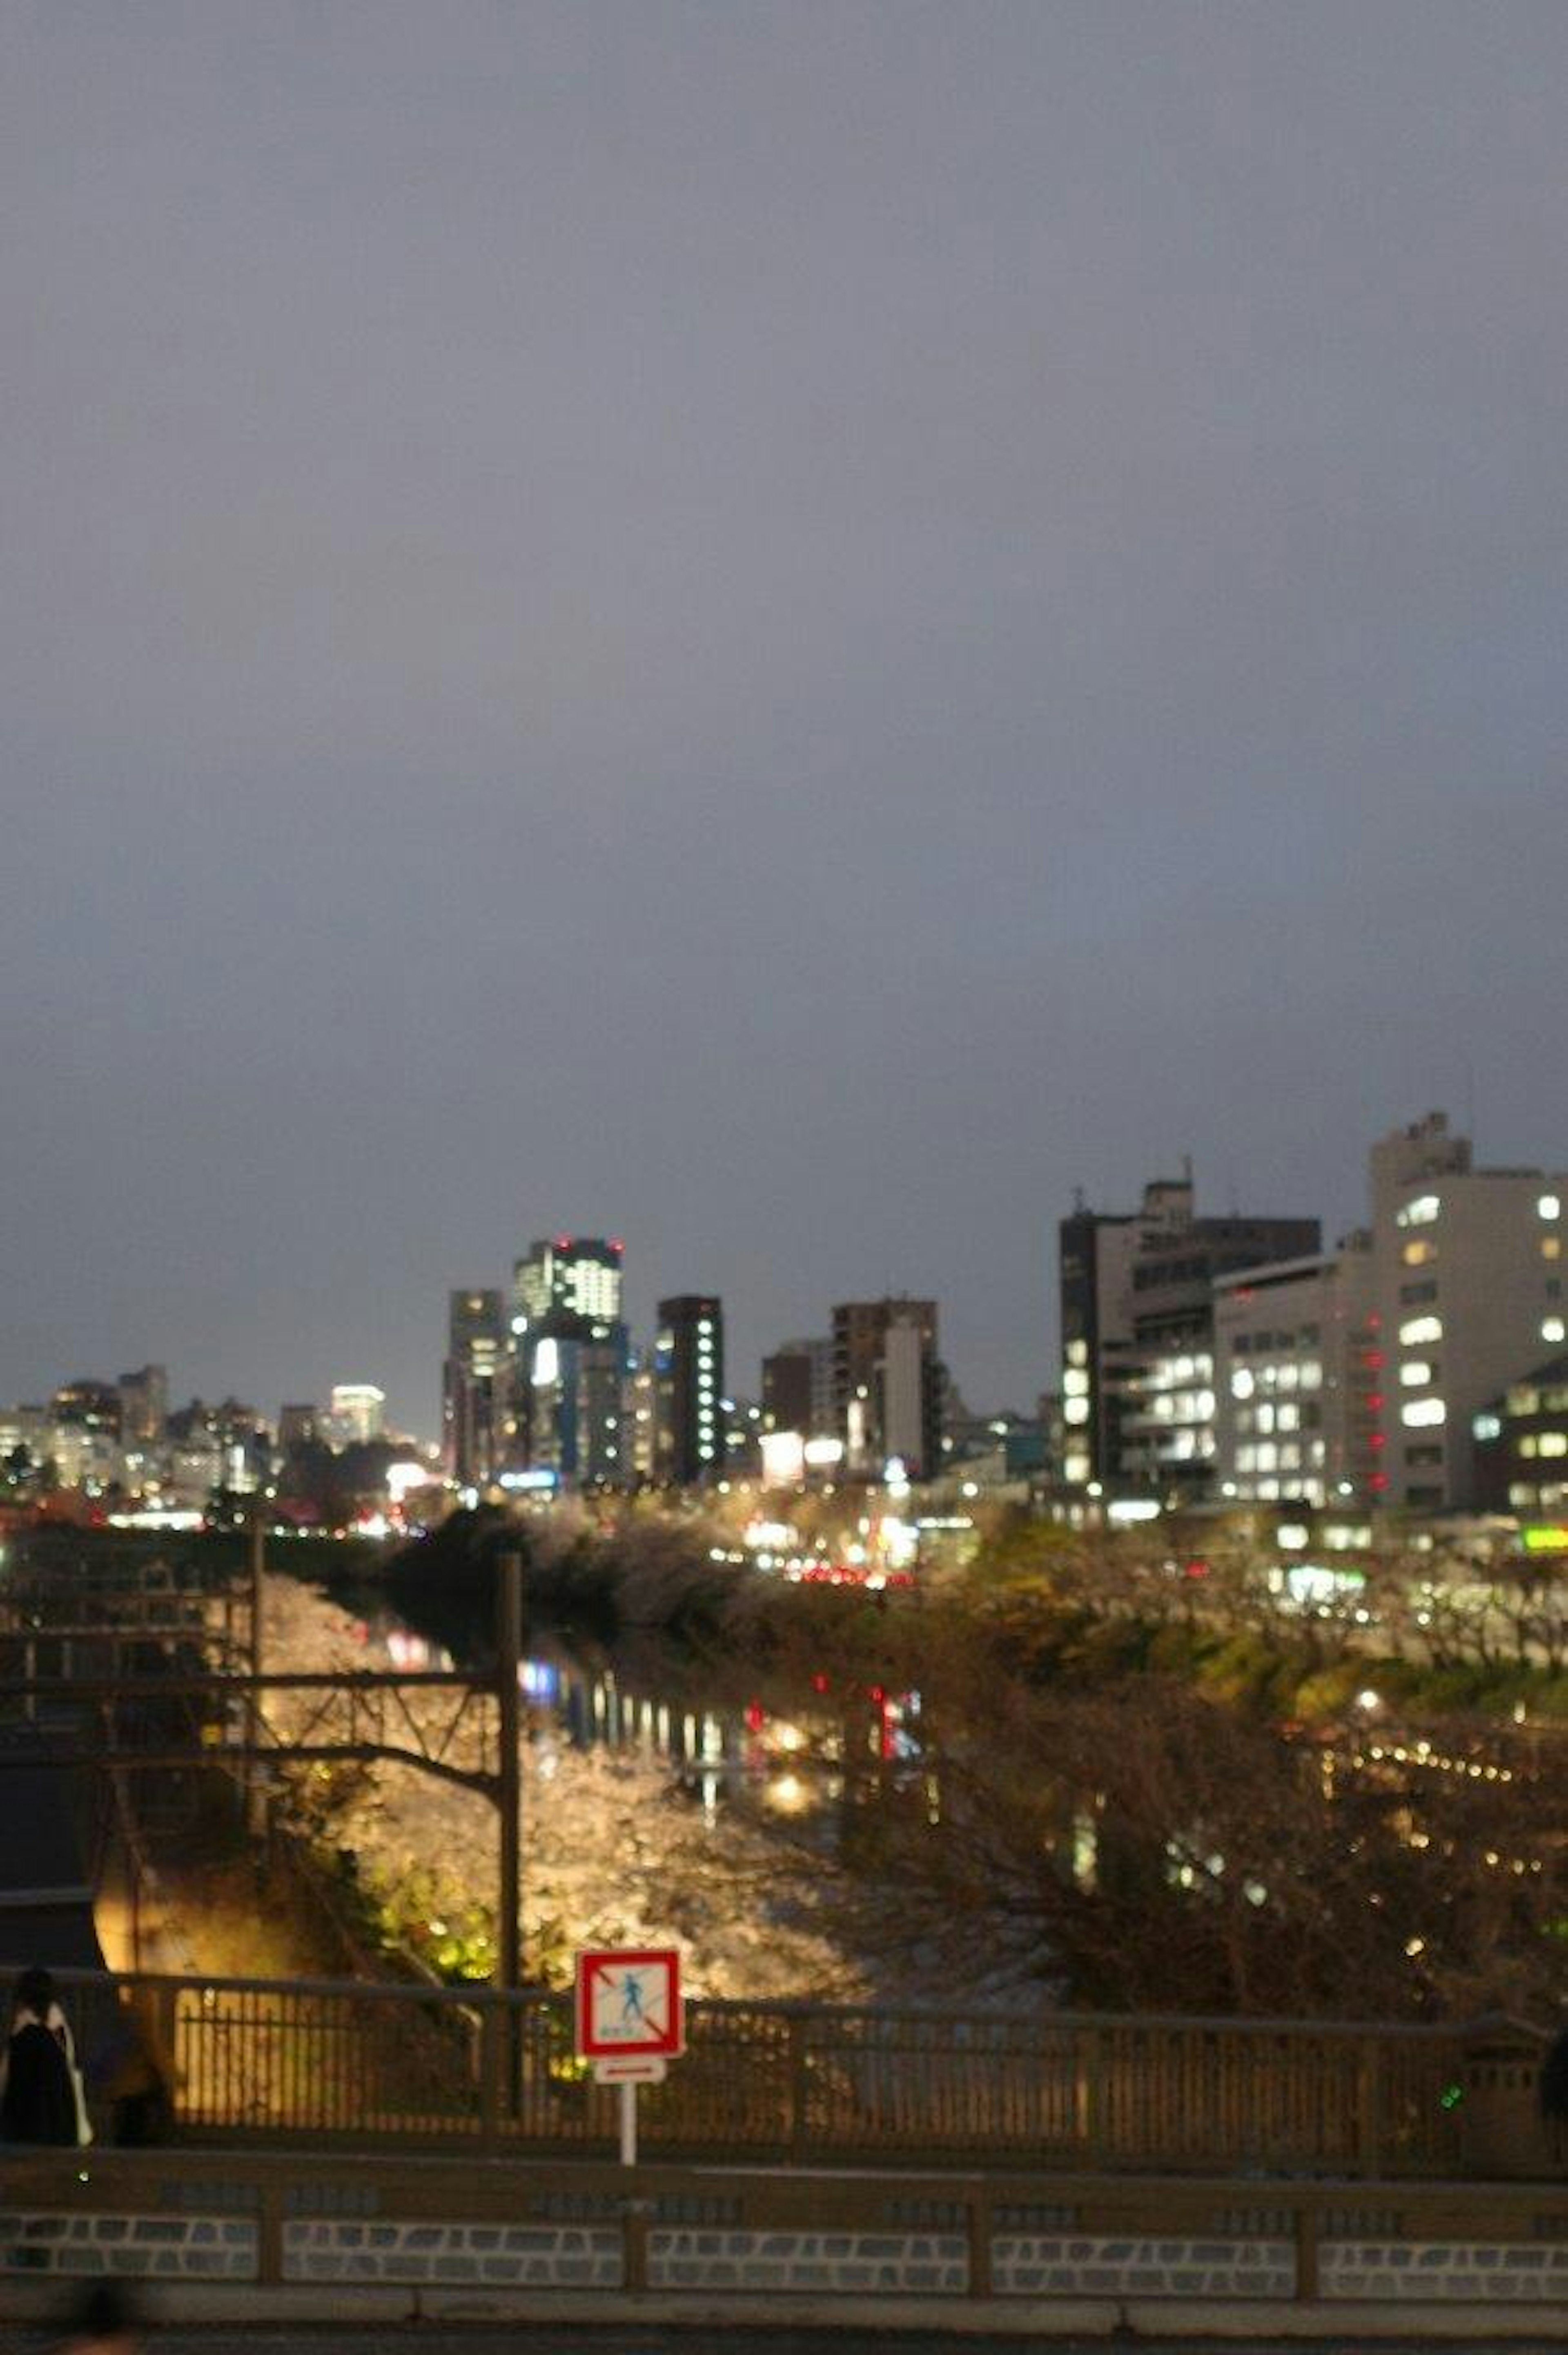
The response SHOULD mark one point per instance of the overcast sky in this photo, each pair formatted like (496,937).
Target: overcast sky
(784,630)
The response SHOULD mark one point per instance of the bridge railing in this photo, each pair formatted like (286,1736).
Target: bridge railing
(238,2219)
(324,2061)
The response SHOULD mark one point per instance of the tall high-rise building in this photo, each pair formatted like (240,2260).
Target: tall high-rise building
(570,1275)
(144,1406)
(1136,1299)
(688,1377)
(356,1413)
(889,1386)
(567,1413)
(471,1384)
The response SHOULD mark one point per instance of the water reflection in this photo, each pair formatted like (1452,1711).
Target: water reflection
(727,1738)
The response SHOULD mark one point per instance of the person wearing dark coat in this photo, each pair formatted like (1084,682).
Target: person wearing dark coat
(39,2104)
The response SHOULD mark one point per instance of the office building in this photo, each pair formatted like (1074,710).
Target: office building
(572,1276)
(356,1413)
(798,1388)
(144,1406)
(1139,1402)
(1521,1442)
(1296,1413)
(1468,1292)
(472,1378)
(688,1381)
(566,1408)
(889,1385)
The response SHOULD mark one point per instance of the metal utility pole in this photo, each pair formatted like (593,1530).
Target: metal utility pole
(255,1774)
(509,1768)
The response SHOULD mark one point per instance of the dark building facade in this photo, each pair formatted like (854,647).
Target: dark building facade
(889,1386)
(473,1387)
(688,1386)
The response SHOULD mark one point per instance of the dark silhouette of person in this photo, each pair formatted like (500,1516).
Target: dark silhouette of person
(39,2102)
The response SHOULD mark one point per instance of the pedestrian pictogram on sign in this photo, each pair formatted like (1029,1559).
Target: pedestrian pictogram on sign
(628,2002)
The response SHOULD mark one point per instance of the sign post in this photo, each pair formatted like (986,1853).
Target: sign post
(629,2022)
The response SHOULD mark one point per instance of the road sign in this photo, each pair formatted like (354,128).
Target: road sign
(628,2003)
(631,2068)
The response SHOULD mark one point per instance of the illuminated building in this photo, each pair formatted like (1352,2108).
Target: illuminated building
(1469,1272)
(1137,1351)
(889,1385)
(356,1413)
(688,1389)
(569,1275)
(1297,1409)
(472,1377)
(1520,1442)
(569,1357)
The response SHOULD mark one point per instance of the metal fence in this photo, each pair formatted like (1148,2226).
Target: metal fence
(323,2060)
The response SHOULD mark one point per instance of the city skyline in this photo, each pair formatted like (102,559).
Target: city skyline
(783,636)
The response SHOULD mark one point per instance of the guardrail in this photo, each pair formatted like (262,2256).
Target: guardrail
(324,2062)
(250,2221)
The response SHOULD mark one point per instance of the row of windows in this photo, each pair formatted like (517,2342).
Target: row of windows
(1257,1345)
(1544,1442)
(1279,1455)
(1265,1417)
(1290,1377)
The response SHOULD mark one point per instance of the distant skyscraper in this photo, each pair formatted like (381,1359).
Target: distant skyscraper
(568,1367)
(574,1275)
(888,1384)
(688,1372)
(357,1413)
(144,1406)
(472,1381)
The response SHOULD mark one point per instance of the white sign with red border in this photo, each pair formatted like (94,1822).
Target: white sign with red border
(629,2005)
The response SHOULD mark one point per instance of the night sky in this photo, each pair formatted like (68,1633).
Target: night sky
(783,630)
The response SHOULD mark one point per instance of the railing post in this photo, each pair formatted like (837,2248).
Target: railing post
(980,2222)
(1093,2123)
(493,2042)
(798,2092)
(1307,2227)
(269,2235)
(634,2242)
(1369,2106)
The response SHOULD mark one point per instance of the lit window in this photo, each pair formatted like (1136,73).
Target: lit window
(1415,1373)
(1421,1212)
(1417,1414)
(1488,1427)
(1242,1384)
(1416,1255)
(1553,1443)
(1418,1330)
(1552,1328)
(1074,1410)
(1075,1383)
(1077,1353)
(1549,1206)
(1551,1246)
